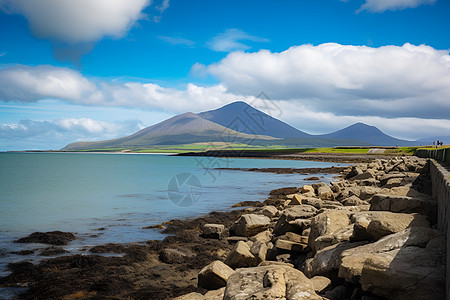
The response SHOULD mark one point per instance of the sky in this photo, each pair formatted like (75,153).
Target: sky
(85,70)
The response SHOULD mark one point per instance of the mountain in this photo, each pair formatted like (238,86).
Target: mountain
(368,134)
(187,128)
(239,123)
(244,118)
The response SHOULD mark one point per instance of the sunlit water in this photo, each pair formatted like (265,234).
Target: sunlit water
(121,193)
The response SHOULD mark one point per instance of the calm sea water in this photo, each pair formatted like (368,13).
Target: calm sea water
(83,192)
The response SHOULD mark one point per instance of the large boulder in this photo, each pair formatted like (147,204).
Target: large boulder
(352,261)
(404,204)
(376,224)
(259,251)
(287,221)
(240,256)
(406,273)
(269,282)
(326,223)
(250,224)
(213,231)
(214,276)
(326,262)
(323,191)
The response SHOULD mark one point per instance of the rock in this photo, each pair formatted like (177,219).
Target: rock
(269,211)
(326,223)
(306,189)
(323,191)
(250,224)
(404,204)
(327,261)
(406,273)
(299,212)
(290,245)
(235,239)
(269,282)
(284,191)
(338,293)
(275,263)
(354,201)
(175,256)
(385,178)
(376,224)
(259,251)
(214,276)
(339,236)
(354,172)
(191,296)
(264,236)
(296,200)
(320,283)
(241,257)
(52,238)
(286,221)
(213,231)
(362,176)
(353,260)
(215,295)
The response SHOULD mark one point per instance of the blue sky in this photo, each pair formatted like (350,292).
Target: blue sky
(90,70)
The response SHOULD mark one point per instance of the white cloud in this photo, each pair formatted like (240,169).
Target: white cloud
(177,40)
(232,39)
(28,84)
(31,84)
(75,21)
(390,81)
(55,134)
(378,6)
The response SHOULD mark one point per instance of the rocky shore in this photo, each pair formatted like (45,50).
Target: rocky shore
(368,235)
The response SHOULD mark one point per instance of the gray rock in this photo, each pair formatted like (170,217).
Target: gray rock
(259,251)
(376,224)
(320,283)
(353,260)
(250,224)
(269,282)
(326,223)
(241,257)
(404,204)
(213,231)
(269,211)
(214,276)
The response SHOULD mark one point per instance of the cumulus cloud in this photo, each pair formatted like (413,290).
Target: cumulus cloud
(389,81)
(233,39)
(378,6)
(75,21)
(31,84)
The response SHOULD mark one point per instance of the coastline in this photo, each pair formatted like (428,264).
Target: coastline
(155,269)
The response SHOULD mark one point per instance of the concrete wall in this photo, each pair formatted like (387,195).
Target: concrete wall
(440,178)
(442,154)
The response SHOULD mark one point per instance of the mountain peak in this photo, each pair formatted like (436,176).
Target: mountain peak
(242,117)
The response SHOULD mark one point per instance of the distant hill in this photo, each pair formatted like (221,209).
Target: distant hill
(244,118)
(239,123)
(369,134)
(182,129)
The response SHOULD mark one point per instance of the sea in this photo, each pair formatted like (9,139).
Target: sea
(109,197)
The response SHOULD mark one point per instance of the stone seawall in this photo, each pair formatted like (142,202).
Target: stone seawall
(440,178)
(442,154)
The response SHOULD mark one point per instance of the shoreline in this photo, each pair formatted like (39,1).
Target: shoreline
(156,269)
